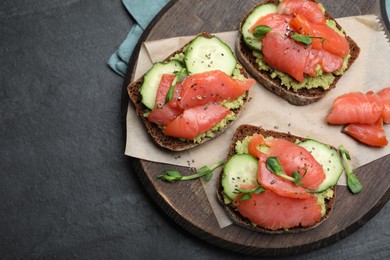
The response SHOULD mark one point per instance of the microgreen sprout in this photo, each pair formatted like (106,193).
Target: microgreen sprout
(274,166)
(205,172)
(305,39)
(261,30)
(247,194)
(353,182)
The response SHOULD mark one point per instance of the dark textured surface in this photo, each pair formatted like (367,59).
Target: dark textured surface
(66,189)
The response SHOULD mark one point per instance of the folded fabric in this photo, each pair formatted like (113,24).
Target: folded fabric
(143,12)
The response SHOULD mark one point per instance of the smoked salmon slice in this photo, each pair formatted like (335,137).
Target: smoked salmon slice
(196,120)
(373,135)
(385,95)
(311,10)
(285,54)
(280,51)
(295,158)
(356,108)
(280,186)
(163,88)
(328,62)
(273,211)
(331,40)
(163,113)
(324,37)
(211,86)
(292,158)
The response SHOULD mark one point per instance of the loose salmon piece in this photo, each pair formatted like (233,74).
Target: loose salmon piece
(373,135)
(355,108)
(385,95)
(196,120)
(312,11)
(273,212)
(292,158)
(211,86)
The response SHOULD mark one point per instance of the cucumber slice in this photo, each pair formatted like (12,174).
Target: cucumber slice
(260,11)
(240,169)
(205,54)
(330,160)
(152,80)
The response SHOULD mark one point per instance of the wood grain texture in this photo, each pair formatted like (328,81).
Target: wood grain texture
(186,203)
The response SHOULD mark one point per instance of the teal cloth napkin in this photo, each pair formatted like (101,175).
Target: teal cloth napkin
(143,12)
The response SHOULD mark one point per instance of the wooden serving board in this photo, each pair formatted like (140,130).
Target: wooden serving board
(186,202)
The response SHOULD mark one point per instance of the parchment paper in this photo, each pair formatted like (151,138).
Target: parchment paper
(369,72)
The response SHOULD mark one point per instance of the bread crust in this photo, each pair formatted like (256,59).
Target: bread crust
(300,97)
(247,130)
(155,132)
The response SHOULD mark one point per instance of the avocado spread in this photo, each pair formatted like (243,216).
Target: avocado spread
(321,197)
(321,80)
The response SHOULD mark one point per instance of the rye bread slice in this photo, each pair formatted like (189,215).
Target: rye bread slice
(155,132)
(300,97)
(247,130)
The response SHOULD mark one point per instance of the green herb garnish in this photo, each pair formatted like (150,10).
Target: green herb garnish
(305,39)
(180,75)
(353,182)
(247,194)
(261,30)
(205,171)
(274,166)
